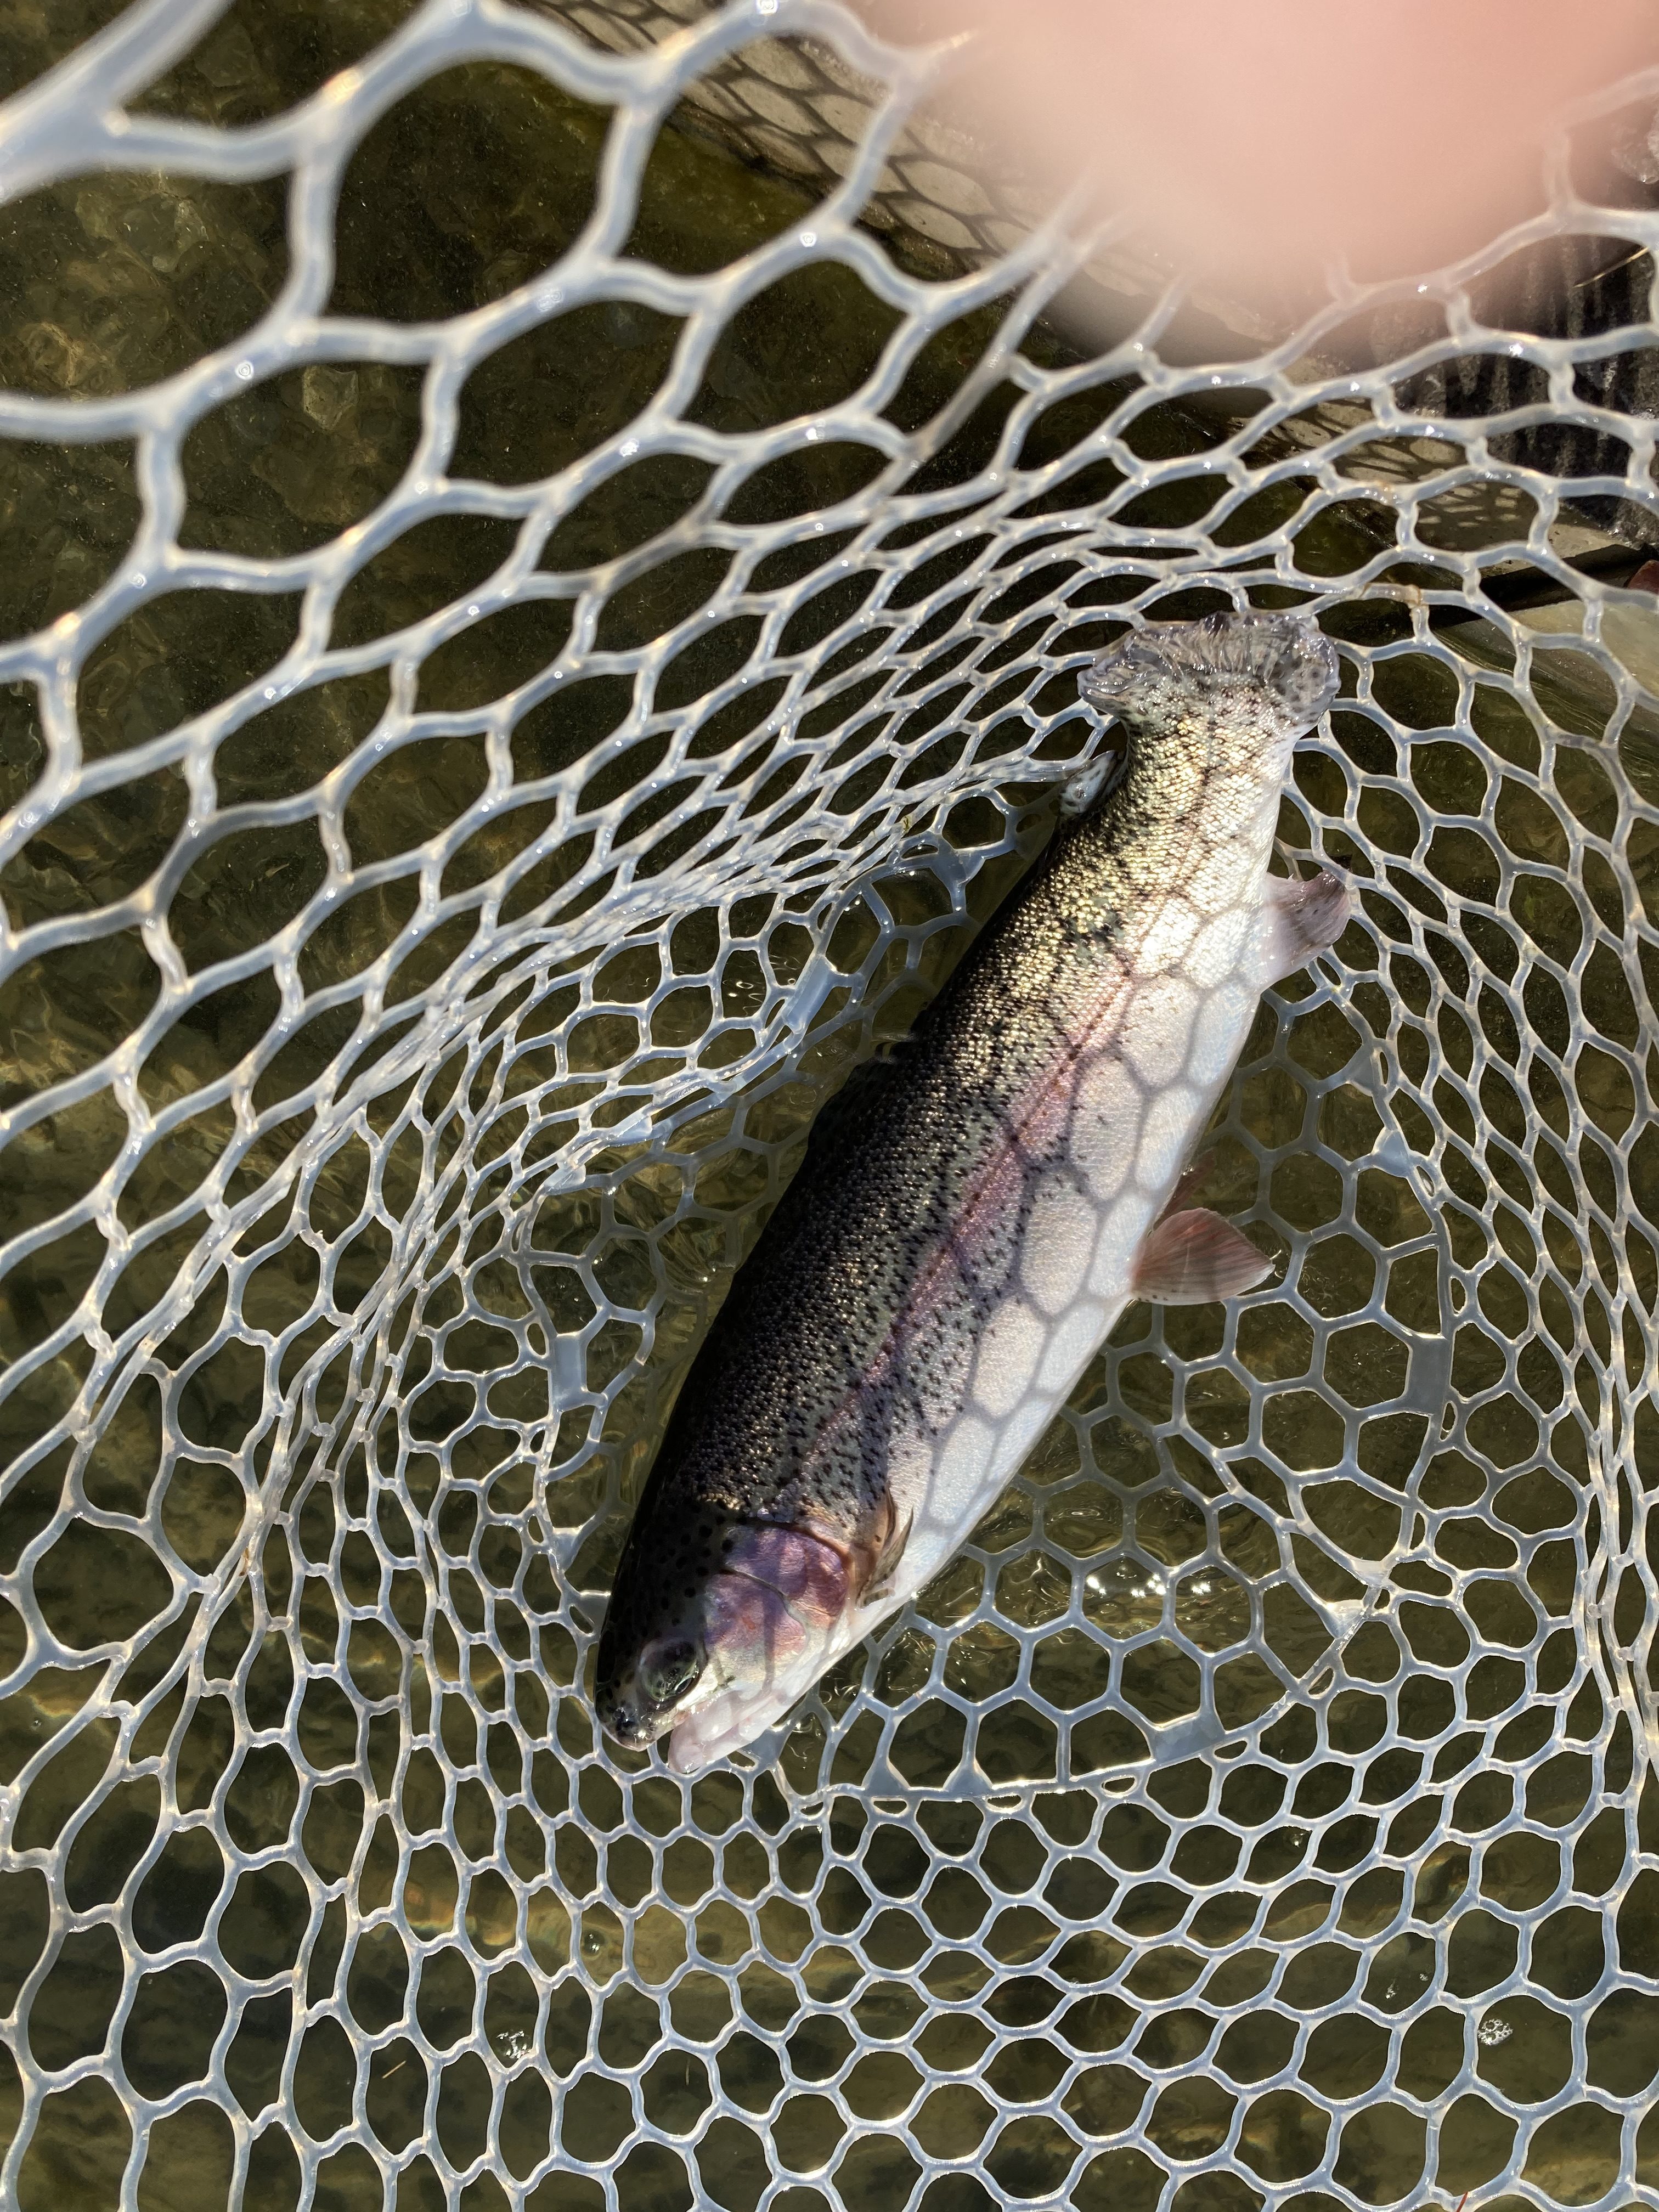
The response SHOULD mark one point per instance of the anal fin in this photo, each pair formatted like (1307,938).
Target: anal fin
(1190,1258)
(1305,915)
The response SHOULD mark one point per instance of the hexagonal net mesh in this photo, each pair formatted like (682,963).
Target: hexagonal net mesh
(549,558)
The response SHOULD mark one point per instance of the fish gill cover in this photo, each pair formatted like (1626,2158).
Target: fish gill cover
(549,559)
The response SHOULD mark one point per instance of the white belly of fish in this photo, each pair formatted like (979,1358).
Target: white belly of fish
(1143,1091)
(1142,1101)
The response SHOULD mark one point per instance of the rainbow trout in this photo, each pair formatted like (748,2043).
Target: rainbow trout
(972,1218)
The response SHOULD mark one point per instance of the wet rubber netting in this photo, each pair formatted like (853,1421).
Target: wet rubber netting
(547,559)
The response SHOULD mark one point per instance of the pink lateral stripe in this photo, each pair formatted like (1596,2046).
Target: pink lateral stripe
(1036,1117)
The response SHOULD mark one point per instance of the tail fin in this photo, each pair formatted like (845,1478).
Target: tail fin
(1282,662)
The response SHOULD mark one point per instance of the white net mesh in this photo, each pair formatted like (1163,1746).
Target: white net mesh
(548,562)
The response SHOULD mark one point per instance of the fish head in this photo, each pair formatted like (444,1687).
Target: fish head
(712,1660)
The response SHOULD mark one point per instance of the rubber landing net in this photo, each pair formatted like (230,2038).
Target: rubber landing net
(547,561)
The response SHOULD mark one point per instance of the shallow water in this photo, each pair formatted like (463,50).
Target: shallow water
(1266,1777)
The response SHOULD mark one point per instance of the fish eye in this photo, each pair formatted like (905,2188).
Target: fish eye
(668,1668)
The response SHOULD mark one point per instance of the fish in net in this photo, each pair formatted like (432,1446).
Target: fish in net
(550,561)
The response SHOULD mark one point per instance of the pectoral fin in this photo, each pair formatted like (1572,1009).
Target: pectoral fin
(887,1560)
(872,1555)
(1303,916)
(1192,1257)
(1191,1176)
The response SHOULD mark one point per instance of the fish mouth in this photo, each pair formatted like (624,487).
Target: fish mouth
(634,1731)
(625,1717)
(637,1703)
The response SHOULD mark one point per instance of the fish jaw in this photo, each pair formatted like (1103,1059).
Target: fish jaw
(774,1617)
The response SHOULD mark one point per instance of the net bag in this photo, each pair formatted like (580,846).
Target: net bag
(548,561)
